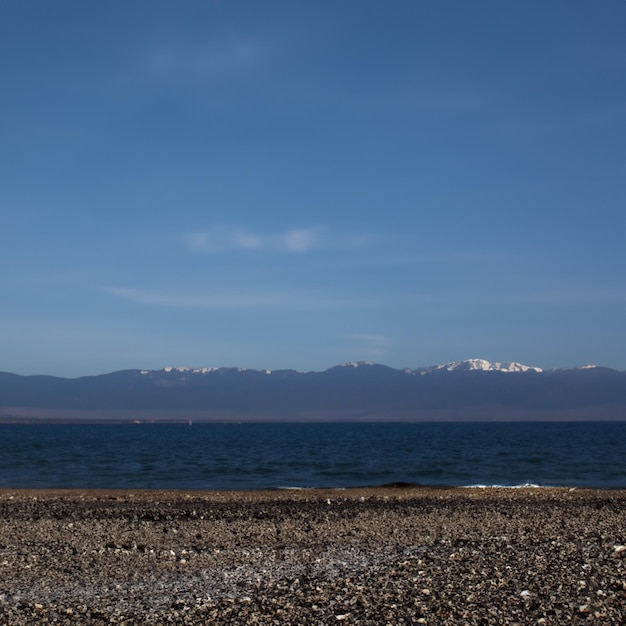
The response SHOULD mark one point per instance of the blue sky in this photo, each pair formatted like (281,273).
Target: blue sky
(298,184)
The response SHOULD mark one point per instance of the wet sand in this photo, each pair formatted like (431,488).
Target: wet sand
(359,556)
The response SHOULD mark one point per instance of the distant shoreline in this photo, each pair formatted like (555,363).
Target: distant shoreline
(25,415)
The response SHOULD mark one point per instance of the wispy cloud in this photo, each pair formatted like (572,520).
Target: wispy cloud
(232,53)
(574,297)
(225,300)
(291,241)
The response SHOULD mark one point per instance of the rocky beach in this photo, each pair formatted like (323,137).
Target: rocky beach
(387,555)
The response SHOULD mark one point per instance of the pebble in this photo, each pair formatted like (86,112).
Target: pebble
(375,556)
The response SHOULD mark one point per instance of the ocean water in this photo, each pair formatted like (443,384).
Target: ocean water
(273,455)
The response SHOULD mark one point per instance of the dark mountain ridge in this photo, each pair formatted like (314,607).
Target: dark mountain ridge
(472,389)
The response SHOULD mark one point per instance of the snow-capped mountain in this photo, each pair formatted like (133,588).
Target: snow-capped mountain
(355,364)
(474,389)
(467,365)
(483,365)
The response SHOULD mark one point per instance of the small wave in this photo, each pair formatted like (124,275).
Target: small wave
(495,486)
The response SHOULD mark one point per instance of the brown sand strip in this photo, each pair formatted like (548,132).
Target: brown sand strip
(359,556)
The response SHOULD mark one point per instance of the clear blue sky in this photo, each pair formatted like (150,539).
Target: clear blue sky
(298,184)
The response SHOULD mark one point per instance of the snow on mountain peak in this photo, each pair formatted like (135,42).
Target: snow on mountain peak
(356,363)
(467,365)
(204,370)
(193,370)
(486,366)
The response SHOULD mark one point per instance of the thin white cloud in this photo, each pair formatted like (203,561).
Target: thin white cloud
(291,241)
(357,241)
(53,278)
(218,240)
(299,240)
(233,53)
(573,297)
(290,300)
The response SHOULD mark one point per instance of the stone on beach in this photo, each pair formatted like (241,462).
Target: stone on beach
(397,556)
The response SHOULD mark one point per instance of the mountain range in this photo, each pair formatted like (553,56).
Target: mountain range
(473,389)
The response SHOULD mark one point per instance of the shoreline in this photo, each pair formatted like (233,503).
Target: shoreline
(396,554)
(292,492)
(397,489)
(147,417)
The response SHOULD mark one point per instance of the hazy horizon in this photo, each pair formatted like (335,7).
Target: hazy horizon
(450,366)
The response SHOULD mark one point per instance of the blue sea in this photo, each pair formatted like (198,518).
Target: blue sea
(290,455)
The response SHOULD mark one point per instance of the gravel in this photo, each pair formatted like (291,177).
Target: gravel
(397,555)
